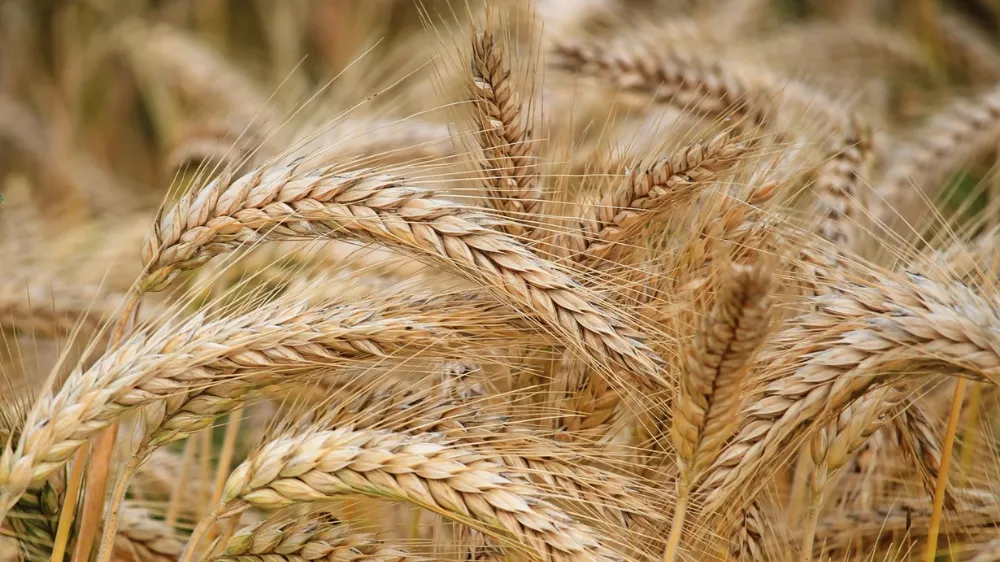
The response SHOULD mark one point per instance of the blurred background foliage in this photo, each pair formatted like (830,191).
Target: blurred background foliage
(105,92)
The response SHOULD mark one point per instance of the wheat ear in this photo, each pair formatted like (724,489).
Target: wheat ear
(915,432)
(457,483)
(141,538)
(713,366)
(839,202)
(556,469)
(287,202)
(34,520)
(199,72)
(833,446)
(280,538)
(968,49)
(217,361)
(952,138)
(881,524)
(746,539)
(834,355)
(608,227)
(504,135)
(679,80)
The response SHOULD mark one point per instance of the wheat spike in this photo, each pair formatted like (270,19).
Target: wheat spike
(55,309)
(839,200)
(968,49)
(280,538)
(290,203)
(746,537)
(34,519)
(608,227)
(680,80)
(840,351)
(196,372)
(141,538)
(951,139)
(457,483)
(714,364)
(504,133)
(917,436)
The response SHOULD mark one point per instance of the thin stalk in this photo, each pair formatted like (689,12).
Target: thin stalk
(174,507)
(816,503)
(942,479)
(107,543)
(415,525)
(198,535)
(69,506)
(225,462)
(100,465)
(800,483)
(205,470)
(970,431)
(677,526)
(226,456)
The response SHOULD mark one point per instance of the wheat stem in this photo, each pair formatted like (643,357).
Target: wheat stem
(942,479)
(69,507)
(106,548)
(812,518)
(198,534)
(677,525)
(174,506)
(100,461)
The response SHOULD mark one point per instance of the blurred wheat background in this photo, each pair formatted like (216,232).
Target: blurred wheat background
(548,280)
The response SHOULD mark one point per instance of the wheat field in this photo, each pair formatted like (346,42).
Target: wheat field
(499,280)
